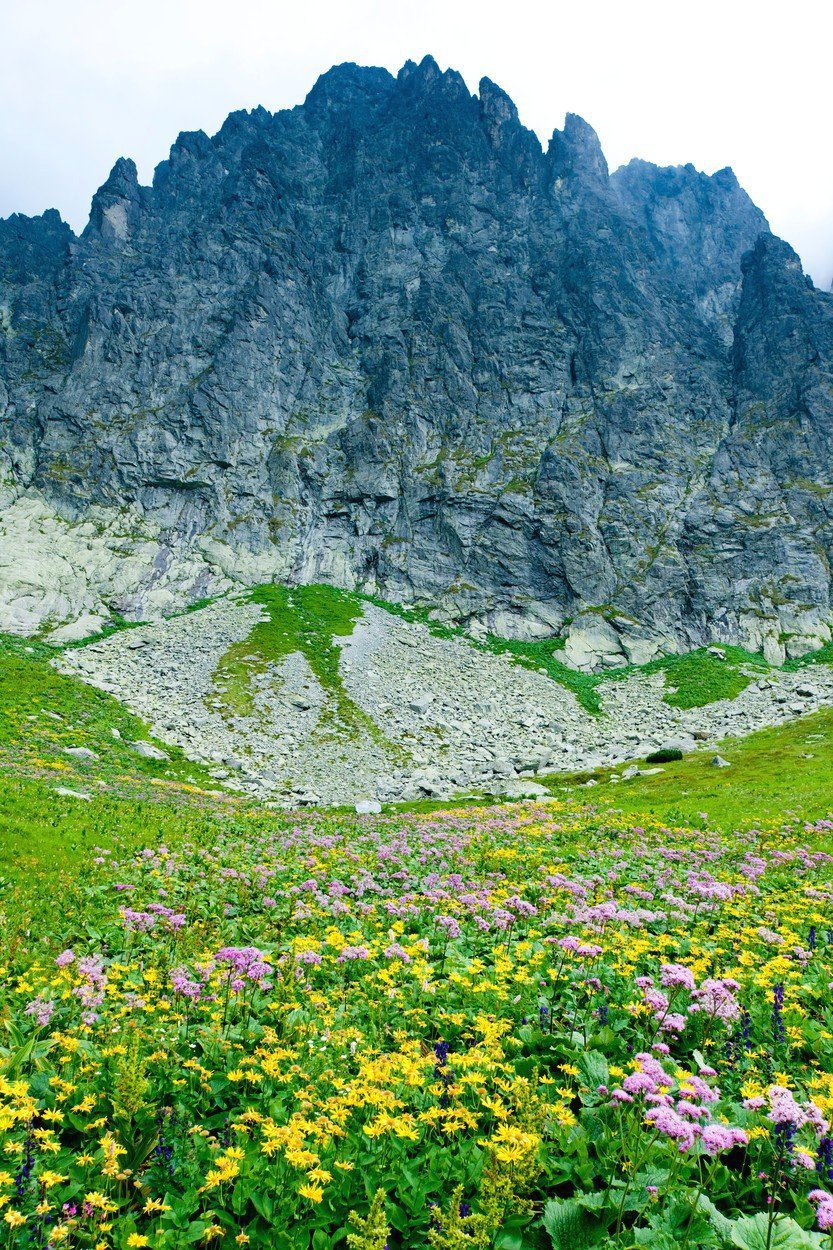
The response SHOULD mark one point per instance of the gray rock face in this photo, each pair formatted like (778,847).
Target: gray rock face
(384,340)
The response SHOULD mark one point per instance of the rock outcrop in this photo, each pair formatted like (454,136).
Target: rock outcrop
(385,340)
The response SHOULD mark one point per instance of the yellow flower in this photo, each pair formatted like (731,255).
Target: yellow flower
(154,1205)
(14,1219)
(50,1179)
(313,1192)
(136,1239)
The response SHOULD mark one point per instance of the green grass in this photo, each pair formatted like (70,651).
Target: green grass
(43,711)
(698,678)
(785,772)
(300,618)
(823,656)
(49,842)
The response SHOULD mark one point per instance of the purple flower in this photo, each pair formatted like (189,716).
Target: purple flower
(353,952)
(674,976)
(41,1009)
(717,999)
(66,957)
(308,957)
(639,1083)
(824,1209)
(668,1122)
(783,1108)
(716,1138)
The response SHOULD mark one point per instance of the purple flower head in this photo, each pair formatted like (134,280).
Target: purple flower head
(639,1083)
(715,1138)
(350,953)
(824,1208)
(675,976)
(41,1009)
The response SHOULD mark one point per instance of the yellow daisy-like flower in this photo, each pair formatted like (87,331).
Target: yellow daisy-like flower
(312,1192)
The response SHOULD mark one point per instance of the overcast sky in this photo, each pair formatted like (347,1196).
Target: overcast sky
(745,83)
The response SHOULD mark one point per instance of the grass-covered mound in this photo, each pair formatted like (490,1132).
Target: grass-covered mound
(508,1027)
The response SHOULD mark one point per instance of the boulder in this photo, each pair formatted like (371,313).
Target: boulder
(80,753)
(368,807)
(148,751)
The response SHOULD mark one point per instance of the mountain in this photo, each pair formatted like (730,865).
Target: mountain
(385,340)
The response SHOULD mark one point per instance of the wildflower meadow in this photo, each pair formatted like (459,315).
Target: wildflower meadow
(511,1027)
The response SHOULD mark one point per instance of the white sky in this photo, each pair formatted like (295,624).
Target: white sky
(745,83)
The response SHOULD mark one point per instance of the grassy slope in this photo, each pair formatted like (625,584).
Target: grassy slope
(43,711)
(136,799)
(782,772)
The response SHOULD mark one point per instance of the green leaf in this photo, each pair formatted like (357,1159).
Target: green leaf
(656,1238)
(509,1239)
(721,1225)
(594,1068)
(262,1203)
(570,1226)
(750,1233)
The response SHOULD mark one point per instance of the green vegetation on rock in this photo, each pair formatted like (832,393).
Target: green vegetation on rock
(700,677)
(44,712)
(305,619)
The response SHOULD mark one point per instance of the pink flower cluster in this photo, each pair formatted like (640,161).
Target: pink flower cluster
(824,1208)
(91,988)
(144,921)
(246,963)
(716,998)
(784,1109)
(41,1009)
(684,1118)
(183,983)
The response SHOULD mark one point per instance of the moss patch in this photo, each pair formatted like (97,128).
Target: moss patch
(305,619)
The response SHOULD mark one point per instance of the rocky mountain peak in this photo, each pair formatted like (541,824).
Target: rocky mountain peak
(576,151)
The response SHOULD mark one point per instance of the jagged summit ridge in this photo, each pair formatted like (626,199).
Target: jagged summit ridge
(386,339)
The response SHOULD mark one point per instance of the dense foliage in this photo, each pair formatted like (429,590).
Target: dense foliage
(518,1027)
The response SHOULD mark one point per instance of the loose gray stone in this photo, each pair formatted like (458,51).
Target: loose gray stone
(148,751)
(80,753)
